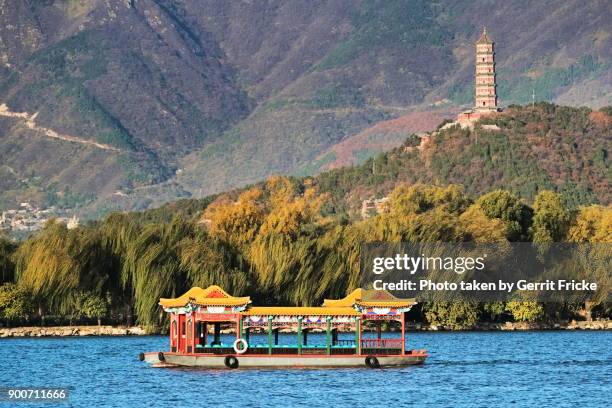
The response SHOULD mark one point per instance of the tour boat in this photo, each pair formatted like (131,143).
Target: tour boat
(362,313)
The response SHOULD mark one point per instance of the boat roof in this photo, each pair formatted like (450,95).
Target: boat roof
(300,311)
(211,296)
(348,306)
(369,298)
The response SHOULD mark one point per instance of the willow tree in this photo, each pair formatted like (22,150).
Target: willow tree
(152,267)
(118,233)
(341,265)
(207,260)
(285,256)
(276,260)
(46,266)
(7,266)
(57,262)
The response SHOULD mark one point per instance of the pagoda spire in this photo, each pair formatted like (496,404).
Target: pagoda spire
(484,37)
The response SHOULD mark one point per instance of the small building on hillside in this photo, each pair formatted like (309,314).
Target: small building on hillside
(374,206)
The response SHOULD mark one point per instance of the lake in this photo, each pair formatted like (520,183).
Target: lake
(476,369)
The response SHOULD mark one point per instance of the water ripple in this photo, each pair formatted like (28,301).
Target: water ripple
(465,369)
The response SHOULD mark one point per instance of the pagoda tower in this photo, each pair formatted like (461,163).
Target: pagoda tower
(486,94)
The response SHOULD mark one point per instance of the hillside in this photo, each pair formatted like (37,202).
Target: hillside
(545,147)
(198,97)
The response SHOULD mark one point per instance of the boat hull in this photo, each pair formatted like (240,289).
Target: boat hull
(276,361)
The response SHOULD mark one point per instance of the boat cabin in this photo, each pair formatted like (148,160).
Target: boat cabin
(198,317)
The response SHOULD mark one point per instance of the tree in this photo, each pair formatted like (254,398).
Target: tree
(525,311)
(453,314)
(592,224)
(15,302)
(480,227)
(208,260)
(118,232)
(7,266)
(551,218)
(507,207)
(236,222)
(280,242)
(494,309)
(88,304)
(289,213)
(46,265)
(153,267)
(420,198)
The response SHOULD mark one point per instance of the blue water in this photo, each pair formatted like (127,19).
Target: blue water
(519,369)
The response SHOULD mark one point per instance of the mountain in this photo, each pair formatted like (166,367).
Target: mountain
(125,104)
(137,76)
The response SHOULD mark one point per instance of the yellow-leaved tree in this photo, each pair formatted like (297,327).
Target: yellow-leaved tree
(236,222)
(593,225)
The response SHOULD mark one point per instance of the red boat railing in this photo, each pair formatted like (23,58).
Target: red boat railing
(381,343)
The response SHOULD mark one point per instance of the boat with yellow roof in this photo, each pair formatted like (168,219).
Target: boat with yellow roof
(198,317)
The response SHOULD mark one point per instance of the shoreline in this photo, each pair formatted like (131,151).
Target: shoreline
(71,331)
(594,325)
(108,331)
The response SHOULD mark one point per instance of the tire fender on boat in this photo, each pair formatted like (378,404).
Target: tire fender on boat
(372,362)
(161,357)
(141,356)
(237,344)
(231,362)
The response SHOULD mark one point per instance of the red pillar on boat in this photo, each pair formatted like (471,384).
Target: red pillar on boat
(358,330)
(403,333)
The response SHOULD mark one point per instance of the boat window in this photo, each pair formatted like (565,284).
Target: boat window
(183,329)
(174,329)
(189,326)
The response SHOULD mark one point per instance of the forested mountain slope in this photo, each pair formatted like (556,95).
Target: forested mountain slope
(544,147)
(197,97)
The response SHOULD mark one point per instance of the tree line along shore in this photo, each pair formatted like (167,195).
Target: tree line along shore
(278,243)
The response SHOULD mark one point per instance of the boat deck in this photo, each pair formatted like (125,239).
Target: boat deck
(411,357)
(344,347)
